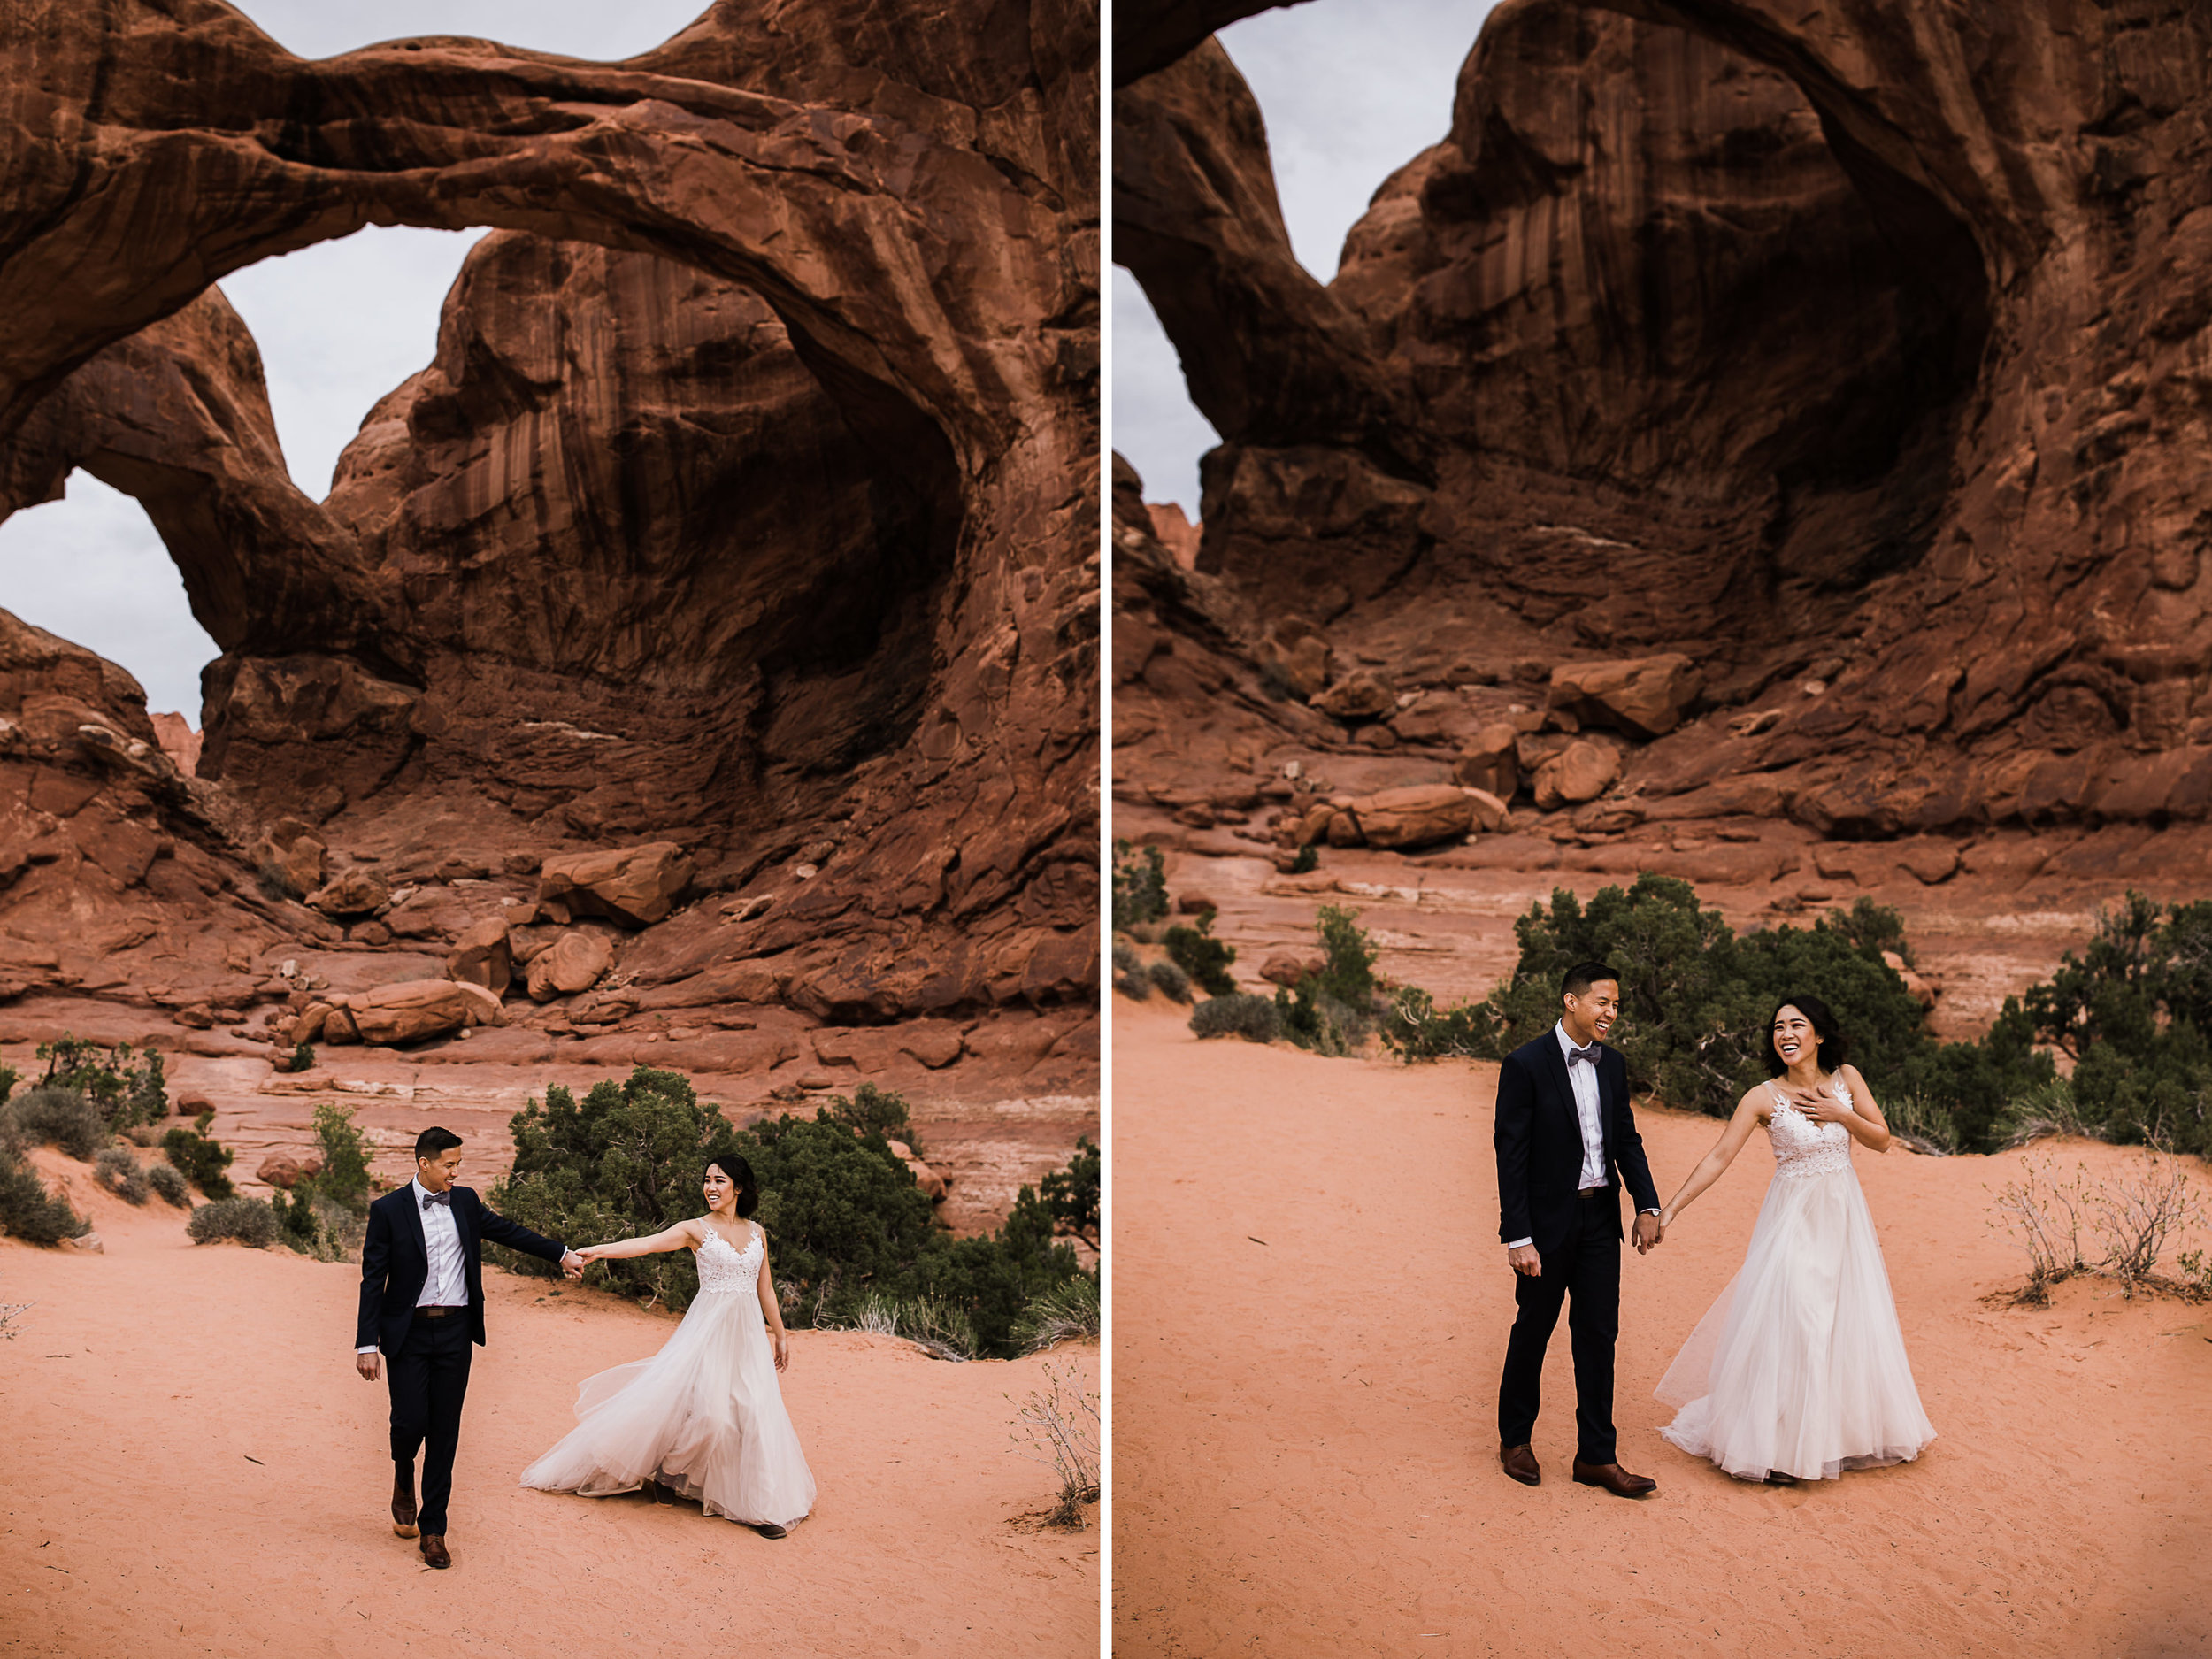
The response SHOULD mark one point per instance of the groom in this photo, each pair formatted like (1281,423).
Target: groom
(1566,1141)
(422,1302)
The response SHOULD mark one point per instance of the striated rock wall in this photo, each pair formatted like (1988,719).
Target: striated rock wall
(1857,353)
(748,505)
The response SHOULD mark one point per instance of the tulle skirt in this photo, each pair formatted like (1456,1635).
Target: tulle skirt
(704,1416)
(1799,1368)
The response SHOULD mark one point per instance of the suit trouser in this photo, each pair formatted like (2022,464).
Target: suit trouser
(429,1379)
(1586,1267)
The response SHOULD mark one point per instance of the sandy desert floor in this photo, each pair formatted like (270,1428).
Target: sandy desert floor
(194,1467)
(1311,1307)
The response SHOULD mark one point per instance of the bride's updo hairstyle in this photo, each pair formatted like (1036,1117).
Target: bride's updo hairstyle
(1827,1039)
(742,1173)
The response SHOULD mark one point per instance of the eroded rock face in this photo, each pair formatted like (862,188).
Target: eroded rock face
(1858,351)
(741,511)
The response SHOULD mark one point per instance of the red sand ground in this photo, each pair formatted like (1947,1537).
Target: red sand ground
(193,1467)
(1305,1429)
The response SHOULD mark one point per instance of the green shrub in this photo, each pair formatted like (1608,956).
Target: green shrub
(626,1159)
(344,1177)
(8,1076)
(2134,1012)
(1172,981)
(200,1158)
(1140,887)
(302,1057)
(1135,986)
(1309,859)
(118,1170)
(1125,959)
(1695,999)
(1239,1014)
(1062,1314)
(846,1222)
(315,1225)
(1199,954)
(28,1211)
(1071,1195)
(1348,970)
(1317,1022)
(247,1220)
(165,1180)
(54,1117)
(128,1087)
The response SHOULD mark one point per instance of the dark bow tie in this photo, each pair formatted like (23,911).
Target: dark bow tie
(1588,1057)
(445,1198)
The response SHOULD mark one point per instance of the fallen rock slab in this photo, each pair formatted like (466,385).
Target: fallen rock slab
(1419,814)
(1643,696)
(634,885)
(414,1010)
(574,962)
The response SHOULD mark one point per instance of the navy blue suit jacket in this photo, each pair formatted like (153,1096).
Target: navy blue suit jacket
(1538,1139)
(395,1261)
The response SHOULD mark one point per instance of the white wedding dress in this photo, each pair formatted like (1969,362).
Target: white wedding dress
(1799,1368)
(704,1416)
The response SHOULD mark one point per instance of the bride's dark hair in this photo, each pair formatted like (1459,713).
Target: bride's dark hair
(1829,1047)
(741,1172)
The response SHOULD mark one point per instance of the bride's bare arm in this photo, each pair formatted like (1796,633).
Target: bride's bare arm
(770,1309)
(1715,1162)
(683,1235)
(1864,1120)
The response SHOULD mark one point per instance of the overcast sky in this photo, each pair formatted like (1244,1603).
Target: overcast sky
(339,325)
(1350,93)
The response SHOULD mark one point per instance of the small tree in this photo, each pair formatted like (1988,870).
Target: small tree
(200,1158)
(128,1088)
(1140,887)
(344,1179)
(1202,957)
(1072,1194)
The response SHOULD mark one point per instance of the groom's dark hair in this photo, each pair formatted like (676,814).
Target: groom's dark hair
(1583,975)
(433,1140)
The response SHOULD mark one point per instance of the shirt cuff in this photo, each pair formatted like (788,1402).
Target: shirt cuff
(370,1349)
(1654,1210)
(1518,1243)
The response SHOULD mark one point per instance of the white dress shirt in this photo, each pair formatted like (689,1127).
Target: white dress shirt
(1584,1080)
(446,1284)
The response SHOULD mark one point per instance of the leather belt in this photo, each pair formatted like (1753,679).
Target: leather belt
(438,1313)
(1594,1192)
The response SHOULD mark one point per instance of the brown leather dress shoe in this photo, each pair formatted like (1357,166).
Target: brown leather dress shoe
(1520,1463)
(1615,1479)
(433,1550)
(403,1509)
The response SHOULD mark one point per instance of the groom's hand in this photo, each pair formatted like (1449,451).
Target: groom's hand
(1649,1232)
(1525,1261)
(572,1264)
(366,1364)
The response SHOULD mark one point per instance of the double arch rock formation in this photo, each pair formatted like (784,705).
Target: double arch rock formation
(749,501)
(1866,347)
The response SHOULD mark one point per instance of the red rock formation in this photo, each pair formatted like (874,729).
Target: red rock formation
(743,508)
(1855,352)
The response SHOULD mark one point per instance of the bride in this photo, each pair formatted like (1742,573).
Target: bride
(704,1416)
(1798,1370)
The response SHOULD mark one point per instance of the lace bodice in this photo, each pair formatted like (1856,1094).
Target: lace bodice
(724,1267)
(1803,1147)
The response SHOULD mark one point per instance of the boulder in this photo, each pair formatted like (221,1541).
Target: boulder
(574,962)
(1491,761)
(1313,827)
(191,1105)
(1285,968)
(481,956)
(634,885)
(1194,903)
(485,1008)
(1492,815)
(1343,828)
(1643,696)
(352,893)
(307,1026)
(280,1169)
(294,859)
(431,912)
(1362,694)
(1419,814)
(1579,772)
(1297,654)
(340,1027)
(1930,863)
(924,1177)
(413,1010)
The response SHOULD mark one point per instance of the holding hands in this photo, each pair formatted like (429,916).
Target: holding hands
(1649,1229)
(572,1262)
